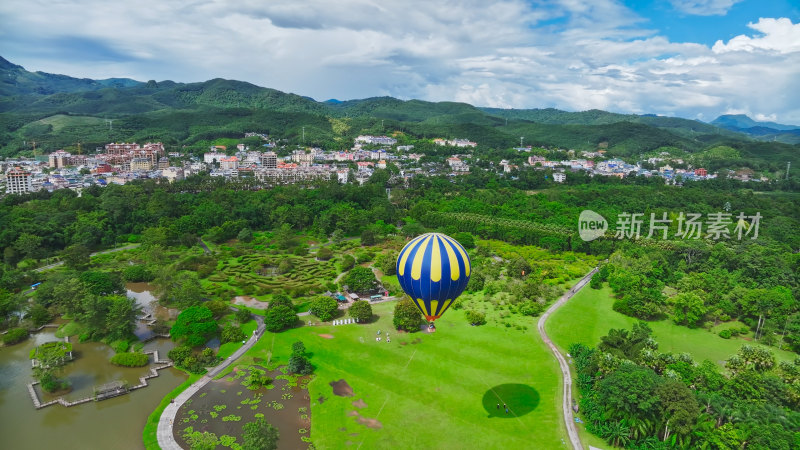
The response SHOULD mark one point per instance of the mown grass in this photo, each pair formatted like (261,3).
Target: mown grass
(588,316)
(426,390)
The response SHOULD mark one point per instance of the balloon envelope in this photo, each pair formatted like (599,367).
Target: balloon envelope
(433,269)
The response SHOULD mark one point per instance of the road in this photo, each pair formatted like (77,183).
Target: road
(566,405)
(119,249)
(166,440)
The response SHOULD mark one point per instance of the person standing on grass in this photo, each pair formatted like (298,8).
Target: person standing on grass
(498,406)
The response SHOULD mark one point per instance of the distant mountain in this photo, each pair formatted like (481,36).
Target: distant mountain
(765,131)
(741,121)
(57,111)
(15,80)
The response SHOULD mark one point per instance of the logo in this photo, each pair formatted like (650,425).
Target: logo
(591,225)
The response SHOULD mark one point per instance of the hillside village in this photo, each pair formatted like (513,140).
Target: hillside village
(120,163)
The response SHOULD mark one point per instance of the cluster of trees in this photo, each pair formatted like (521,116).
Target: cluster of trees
(94,299)
(187,358)
(636,397)
(754,283)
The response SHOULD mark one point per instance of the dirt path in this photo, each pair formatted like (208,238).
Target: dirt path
(566,404)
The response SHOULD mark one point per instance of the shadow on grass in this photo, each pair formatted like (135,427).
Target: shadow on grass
(520,399)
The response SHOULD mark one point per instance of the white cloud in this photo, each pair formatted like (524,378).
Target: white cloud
(778,35)
(704,7)
(567,54)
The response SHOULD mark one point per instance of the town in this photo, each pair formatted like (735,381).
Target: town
(120,163)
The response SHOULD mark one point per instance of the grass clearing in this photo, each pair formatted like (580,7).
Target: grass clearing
(426,389)
(588,316)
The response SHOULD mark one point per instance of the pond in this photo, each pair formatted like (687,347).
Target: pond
(223,406)
(111,424)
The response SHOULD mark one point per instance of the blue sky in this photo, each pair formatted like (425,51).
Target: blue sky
(687,58)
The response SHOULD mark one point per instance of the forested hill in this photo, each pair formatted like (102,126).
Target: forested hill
(57,111)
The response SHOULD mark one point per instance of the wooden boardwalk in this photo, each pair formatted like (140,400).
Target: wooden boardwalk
(157,365)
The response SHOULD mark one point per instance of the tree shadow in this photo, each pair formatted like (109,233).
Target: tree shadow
(520,399)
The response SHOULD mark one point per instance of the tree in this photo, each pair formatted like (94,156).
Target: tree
(102,283)
(389,263)
(76,257)
(406,316)
(629,391)
(324,308)
(217,307)
(279,317)
(688,309)
(38,315)
(121,317)
(361,280)
(232,333)
(361,310)
(245,235)
(298,348)
(259,435)
(137,273)
(368,237)
(285,266)
(679,408)
(520,268)
(196,324)
(280,299)
(465,239)
(243,316)
(299,364)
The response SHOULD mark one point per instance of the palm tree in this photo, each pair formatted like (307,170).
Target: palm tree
(620,432)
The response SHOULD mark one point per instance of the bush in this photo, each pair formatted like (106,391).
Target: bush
(130,359)
(476,318)
(300,364)
(15,335)
(138,273)
(531,308)
(285,266)
(217,307)
(324,253)
(361,310)
(725,334)
(325,308)
(348,262)
(246,235)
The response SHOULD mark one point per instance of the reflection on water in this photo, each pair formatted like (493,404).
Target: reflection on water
(142,294)
(111,424)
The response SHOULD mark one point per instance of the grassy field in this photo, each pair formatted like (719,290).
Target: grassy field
(588,316)
(427,390)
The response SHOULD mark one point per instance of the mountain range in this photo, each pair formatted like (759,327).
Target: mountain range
(58,111)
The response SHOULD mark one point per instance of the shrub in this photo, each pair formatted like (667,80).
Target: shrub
(348,262)
(130,359)
(324,254)
(15,335)
(217,307)
(725,334)
(280,299)
(324,308)
(476,318)
(137,273)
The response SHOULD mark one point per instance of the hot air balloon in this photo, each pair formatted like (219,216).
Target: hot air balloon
(433,269)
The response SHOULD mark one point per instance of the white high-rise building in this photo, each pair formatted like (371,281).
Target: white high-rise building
(18,181)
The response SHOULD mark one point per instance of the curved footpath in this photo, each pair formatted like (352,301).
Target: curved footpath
(566,405)
(166,440)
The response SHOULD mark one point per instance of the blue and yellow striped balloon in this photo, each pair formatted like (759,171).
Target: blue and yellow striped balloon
(433,269)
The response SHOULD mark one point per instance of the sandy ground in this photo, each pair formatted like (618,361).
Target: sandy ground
(250,302)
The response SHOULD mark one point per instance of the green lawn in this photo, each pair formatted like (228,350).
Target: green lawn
(588,316)
(431,391)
